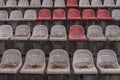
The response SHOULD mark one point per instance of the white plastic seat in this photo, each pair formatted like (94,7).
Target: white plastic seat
(23,3)
(115,14)
(40,32)
(2,3)
(35,3)
(95,33)
(22,32)
(109,3)
(11,3)
(107,62)
(84,3)
(59,3)
(30,15)
(34,62)
(15,15)
(83,62)
(3,15)
(113,33)
(11,61)
(47,3)
(117,2)
(58,33)
(58,62)
(97,3)
(5,32)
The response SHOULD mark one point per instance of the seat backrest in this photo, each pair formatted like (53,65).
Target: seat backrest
(16,14)
(84,3)
(3,14)
(117,2)
(72,3)
(115,14)
(11,3)
(30,14)
(2,3)
(59,3)
(109,2)
(35,3)
(23,3)
(47,3)
(96,3)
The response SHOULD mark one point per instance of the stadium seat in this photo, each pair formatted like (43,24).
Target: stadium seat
(83,62)
(15,15)
(3,15)
(34,62)
(58,33)
(5,32)
(84,3)
(11,3)
(58,62)
(59,4)
(117,2)
(74,14)
(88,14)
(22,32)
(115,15)
(35,3)
(107,62)
(2,3)
(59,14)
(103,14)
(72,3)
(30,14)
(95,33)
(112,33)
(44,14)
(11,61)
(109,3)
(76,33)
(47,3)
(23,3)
(40,32)
(96,3)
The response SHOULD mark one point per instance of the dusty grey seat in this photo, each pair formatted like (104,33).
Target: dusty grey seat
(84,3)
(30,15)
(97,3)
(34,62)
(59,3)
(22,32)
(15,15)
(3,15)
(2,3)
(113,33)
(11,3)
(5,32)
(83,62)
(40,32)
(11,61)
(47,3)
(58,62)
(58,33)
(23,3)
(109,3)
(95,33)
(107,62)
(35,3)
(117,2)
(115,14)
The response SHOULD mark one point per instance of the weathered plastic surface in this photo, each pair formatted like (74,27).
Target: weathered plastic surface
(6,32)
(47,3)
(34,62)
(59,4)
(112,33)
(84,3)
(109,3)
(40,33)
(74,14)
(22,32)
(58,62)
(3,15)
(117,2)
(2,3)
(72,3)
(11,61)
(23,3)
(11,3)
(77,33)
(115,15)
(95,33)
(83,62)
(35,3)
(107,62)
(58,33)
(96,3)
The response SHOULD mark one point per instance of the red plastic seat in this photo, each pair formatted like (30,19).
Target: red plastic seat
(59,14)
(44,14)
(103,14)
(88,14)
(77,33)
(72,3)
(74,14)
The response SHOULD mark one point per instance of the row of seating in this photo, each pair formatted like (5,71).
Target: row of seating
(59,14)
(58,3)
(58,33)
(59,62)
